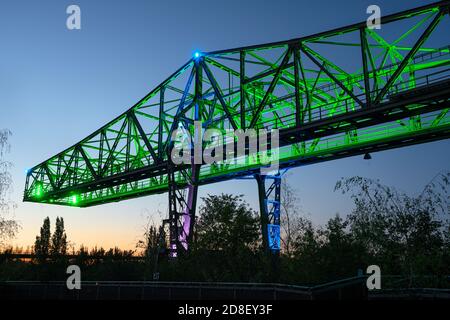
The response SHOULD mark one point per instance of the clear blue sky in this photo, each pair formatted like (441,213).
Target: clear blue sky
(57,86)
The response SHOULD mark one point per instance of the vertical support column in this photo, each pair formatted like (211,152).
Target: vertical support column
(261,181)
(185,237)
(100,153)
(182,199)
(242,87)
(308,95)
(162,119)
(27,190)
(75,175)
(364,49)
(298,107)
(128,147)
(173,220)
(182,205)
(192,189)
(269,190)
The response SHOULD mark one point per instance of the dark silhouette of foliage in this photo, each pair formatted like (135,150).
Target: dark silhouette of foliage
(8,227)
(407,236)
(227,223)
(42,243)
(59,239)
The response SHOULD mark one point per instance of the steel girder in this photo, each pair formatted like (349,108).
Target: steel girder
(394,91)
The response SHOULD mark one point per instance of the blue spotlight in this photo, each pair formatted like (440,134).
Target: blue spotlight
(197,54)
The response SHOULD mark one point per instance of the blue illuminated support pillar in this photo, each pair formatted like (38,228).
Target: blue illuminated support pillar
(269,189)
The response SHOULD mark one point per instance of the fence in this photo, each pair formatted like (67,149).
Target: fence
(351,288)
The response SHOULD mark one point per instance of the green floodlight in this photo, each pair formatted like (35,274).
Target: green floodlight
(39,191)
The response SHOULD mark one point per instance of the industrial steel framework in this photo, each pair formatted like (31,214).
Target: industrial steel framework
(334,94)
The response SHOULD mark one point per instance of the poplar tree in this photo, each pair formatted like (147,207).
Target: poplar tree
(42,243)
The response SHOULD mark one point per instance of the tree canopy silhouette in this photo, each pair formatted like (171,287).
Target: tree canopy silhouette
(8,227)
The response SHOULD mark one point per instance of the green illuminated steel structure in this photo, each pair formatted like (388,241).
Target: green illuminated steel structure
(339,93)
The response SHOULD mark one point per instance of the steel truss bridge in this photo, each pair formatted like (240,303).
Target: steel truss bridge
(339,93)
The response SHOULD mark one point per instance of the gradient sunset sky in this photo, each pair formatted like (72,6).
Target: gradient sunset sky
(57,86)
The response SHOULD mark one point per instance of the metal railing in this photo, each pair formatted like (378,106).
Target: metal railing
(351,288)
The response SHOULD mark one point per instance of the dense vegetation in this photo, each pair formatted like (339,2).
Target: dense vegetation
(408,236)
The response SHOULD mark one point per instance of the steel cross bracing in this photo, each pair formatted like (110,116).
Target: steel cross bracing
(269,191)
(334,94)
(182,205)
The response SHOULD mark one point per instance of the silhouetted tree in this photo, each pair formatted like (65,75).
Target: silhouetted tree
(406,234)
(307,262)
(227,223)
(227,238)
(290,219)
(59,239)
(154,238)
(8,227)
(342,254)
(42,243)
